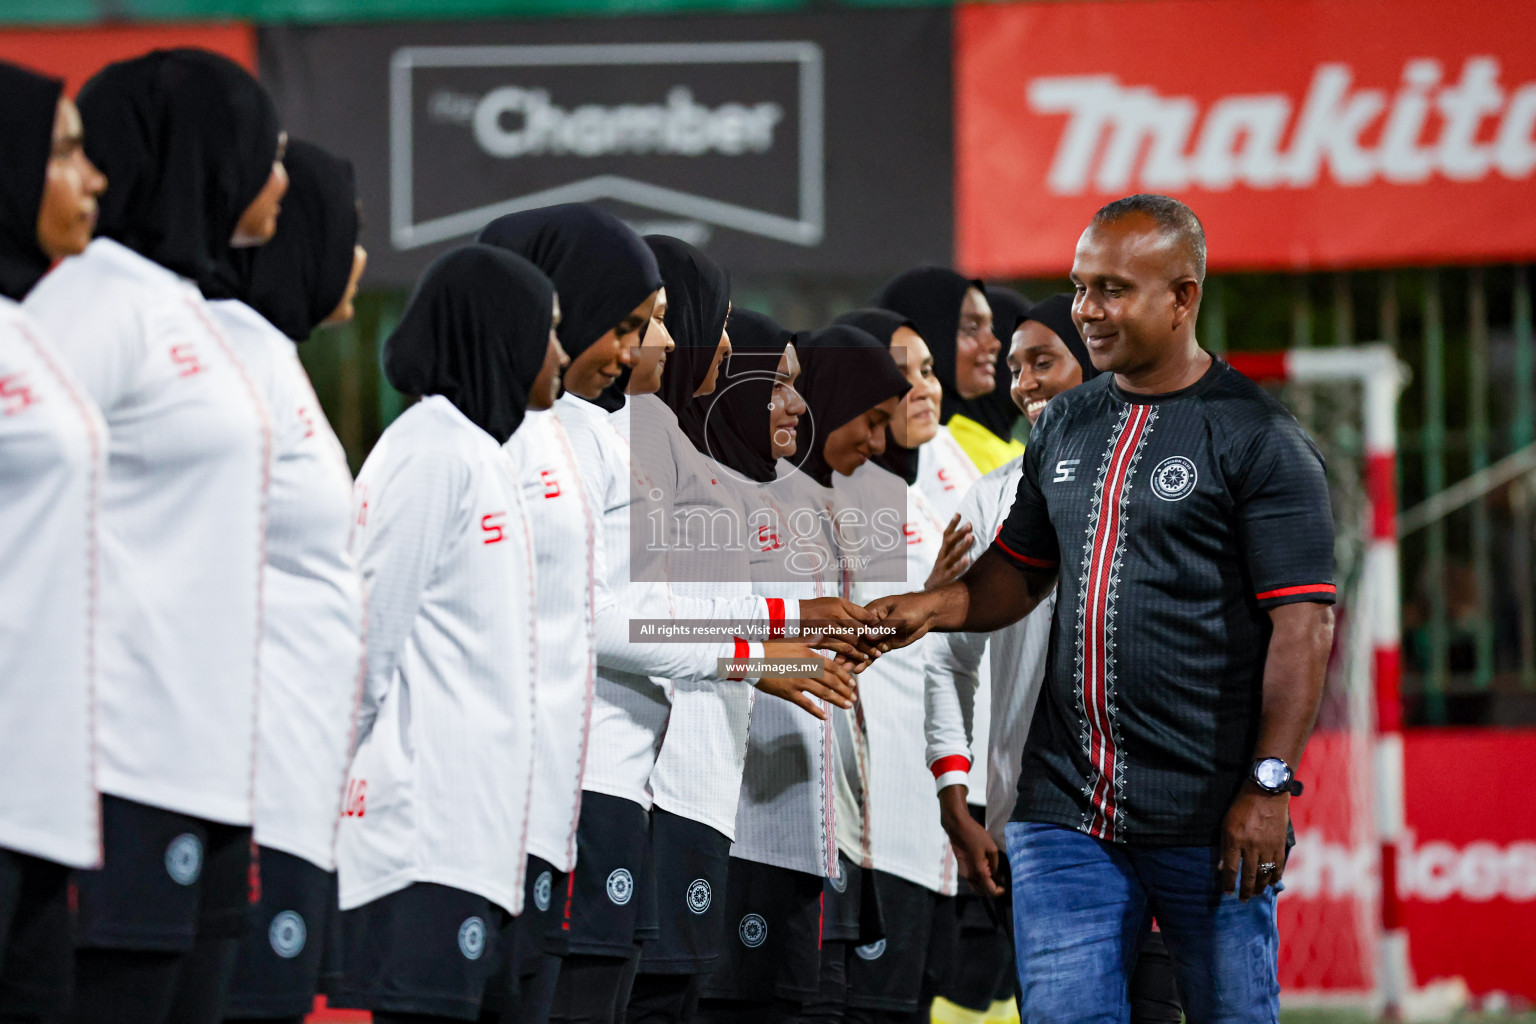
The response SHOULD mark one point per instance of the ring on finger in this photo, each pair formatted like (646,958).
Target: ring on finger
(1267,868)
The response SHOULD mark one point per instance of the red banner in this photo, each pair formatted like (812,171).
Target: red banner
(1304,133)
(1468,870)
(75,54)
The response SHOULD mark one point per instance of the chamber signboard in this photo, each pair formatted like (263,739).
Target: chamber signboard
(816,143)
(1320,133)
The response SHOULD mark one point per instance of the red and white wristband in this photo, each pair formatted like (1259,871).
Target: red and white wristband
(951,770)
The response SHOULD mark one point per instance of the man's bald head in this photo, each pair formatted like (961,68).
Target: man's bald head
(1177,223)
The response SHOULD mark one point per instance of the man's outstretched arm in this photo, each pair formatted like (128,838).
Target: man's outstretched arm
(996,592)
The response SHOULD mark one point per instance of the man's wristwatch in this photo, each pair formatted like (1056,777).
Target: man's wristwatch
(1274,776)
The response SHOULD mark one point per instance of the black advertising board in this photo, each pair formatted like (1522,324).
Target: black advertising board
(784,145)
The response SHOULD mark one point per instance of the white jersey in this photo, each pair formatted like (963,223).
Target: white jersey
(901,833)
(312,627)
(632,697)
(182,530)
(565,545)
(945,474)
(439,789)
(956,666)
(53,451)
(787,812)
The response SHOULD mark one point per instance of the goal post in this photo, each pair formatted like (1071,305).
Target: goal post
(1339,884)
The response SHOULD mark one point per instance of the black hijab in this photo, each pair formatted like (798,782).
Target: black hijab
(601,270)
(732,424)
(187,139)
(1055,312)
(475,331)
(698,298)
(883,325)
(297,279)
(26,142)
(845,372)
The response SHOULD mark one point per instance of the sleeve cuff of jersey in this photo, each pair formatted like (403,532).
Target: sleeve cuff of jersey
(742,651)
(1021,559)
(1318,593)
(950,770)
(776,617)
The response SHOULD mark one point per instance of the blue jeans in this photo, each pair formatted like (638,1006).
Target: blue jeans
(1081,908)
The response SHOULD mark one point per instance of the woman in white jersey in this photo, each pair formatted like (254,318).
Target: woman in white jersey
(311,649)
(785,846)
(852,390)
(606,274)
(431,854)
(52,460)
(191,145)
(911,861)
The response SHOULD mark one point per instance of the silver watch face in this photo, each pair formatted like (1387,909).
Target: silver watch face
(1271,773)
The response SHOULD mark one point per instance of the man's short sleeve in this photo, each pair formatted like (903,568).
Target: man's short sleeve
(1284,520)
(1027,538)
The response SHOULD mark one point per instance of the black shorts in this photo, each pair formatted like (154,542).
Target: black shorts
(612,895)
(773,940)
(852,906)
(888,974)
(427,949)
(541,928)
(167,878)
(277,972)
(37,954)
(692,870)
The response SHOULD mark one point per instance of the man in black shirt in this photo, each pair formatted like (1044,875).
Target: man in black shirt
(1184,515)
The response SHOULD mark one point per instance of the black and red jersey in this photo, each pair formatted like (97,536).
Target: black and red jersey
(1175,521)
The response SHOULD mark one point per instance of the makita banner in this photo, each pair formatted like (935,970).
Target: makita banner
(814,143)
(1305,133)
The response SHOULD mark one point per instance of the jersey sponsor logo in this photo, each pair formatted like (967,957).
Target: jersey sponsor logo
(14,393)
(1066,471)
(185,356)
(551,483)
(620,886)
(912,532)
(472,938)
(768,539)
(946,479)
(287,934)
(873,951)
(699,895)
(1174,478)
(542,887)
(753,931)
(494,527)
(184,859)
(307,418)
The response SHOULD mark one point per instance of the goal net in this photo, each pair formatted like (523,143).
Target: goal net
(1337,922)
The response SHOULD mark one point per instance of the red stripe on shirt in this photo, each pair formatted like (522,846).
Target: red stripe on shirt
(950,763)
(1038,563)
(1309,588)
(776,617)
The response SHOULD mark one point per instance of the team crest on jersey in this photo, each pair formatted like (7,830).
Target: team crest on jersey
(621,886)
(1174,478)
(699,895)
(753,931)
(542,887)
(287,934)
(184,859)
(873,951)
(472,938)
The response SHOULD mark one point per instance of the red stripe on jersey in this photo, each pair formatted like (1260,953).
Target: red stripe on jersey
(776,617)
(1310,588)
(950,763)
(1037,563)
(1103,754)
